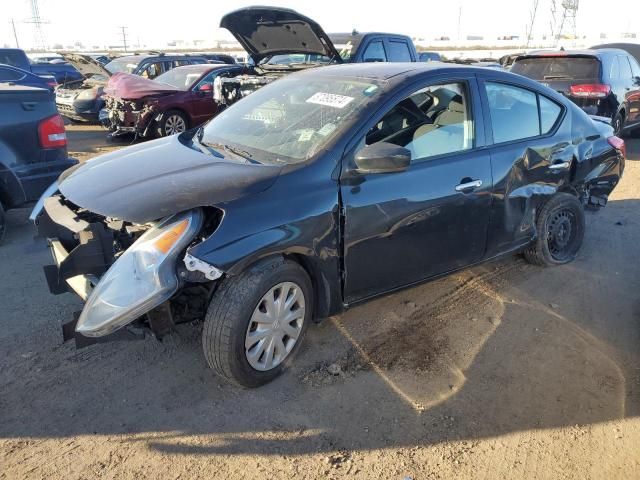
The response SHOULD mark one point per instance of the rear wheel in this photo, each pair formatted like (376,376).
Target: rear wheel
(256,322)
(618,123)
(171,123)
(560,228)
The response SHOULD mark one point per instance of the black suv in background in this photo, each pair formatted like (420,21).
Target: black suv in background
(33,146)
(603,82)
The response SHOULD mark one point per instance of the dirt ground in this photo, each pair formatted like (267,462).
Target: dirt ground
(502,371)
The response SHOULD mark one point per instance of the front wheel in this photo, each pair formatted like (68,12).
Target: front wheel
(171,123)
(560,228)
(618,124)
(256,321)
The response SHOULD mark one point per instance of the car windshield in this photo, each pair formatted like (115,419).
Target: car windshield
(295,58)
(561,67)
(124,65)
(182,78)
(290,120)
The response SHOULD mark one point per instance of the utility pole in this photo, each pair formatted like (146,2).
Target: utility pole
(532,19)
(124,37)
(13,24)
(459,20)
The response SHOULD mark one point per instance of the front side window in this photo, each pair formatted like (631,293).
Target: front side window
(515,114)
(433,121)
(152,71)
(375,52)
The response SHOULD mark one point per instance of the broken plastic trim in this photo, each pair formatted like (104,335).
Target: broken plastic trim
(194,264)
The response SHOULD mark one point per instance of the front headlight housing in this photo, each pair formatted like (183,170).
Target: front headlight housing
(142,278)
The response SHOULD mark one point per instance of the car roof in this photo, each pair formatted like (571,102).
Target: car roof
(163,56)
(596,52)
(342,37)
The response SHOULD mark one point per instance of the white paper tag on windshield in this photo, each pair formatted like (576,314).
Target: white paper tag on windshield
(327,129)
(330,100)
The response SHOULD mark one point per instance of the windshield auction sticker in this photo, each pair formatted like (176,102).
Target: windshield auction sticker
(330,100)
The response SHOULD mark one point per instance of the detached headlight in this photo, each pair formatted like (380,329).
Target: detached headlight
(141,279)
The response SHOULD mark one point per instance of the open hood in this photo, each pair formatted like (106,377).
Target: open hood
(267,31)
(151,180)
(86,65)
(127,86)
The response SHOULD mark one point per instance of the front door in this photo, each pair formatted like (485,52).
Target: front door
(432,218)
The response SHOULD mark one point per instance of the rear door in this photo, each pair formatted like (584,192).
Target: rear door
(432,218)
(531,155)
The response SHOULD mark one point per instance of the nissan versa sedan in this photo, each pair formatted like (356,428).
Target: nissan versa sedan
(322,190)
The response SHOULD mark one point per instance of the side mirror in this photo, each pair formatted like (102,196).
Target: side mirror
(382,157)
(205,87)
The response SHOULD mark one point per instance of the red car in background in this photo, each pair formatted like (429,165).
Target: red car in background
(171,103)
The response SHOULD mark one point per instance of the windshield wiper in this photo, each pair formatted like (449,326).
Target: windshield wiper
(238,152)
(204,148)
(556,77)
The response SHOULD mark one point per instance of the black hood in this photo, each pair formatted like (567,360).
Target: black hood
(267,31)
(149,181)
(86,65)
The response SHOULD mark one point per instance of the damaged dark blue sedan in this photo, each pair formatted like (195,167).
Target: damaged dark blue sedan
(324,189)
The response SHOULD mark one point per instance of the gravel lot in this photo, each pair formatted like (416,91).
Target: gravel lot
(502,371)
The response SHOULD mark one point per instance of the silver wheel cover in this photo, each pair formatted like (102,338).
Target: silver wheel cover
(275,326)
(174,124)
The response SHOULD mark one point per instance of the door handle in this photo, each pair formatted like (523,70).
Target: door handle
(468,186)
(559,166)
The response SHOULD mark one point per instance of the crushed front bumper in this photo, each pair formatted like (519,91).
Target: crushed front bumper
(82,252)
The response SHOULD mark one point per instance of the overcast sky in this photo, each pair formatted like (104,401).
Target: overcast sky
(96,22)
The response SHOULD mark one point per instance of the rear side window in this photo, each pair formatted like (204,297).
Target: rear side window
(399,51)
(375,52)
(9,75)
(615,69)
(635,68)
(625,68)
(12,58)
(558,68)
(517,113)
(549,113)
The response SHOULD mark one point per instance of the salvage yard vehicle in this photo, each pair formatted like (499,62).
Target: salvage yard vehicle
(175,101)
(603,82)
(33,146)
(280,41)
(81,100)
(317,192)
(18,58)
(17,76)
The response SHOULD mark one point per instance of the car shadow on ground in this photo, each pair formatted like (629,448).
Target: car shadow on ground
(499,348)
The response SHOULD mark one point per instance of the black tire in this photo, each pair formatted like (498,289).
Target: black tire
(3,224)
(618,123)
(169,118)
(560,227)
(229,315)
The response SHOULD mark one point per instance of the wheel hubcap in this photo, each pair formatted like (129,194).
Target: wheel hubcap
(561,233)
(174,124)
(275,326)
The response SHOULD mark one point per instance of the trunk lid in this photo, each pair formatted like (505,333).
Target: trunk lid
(267,31)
